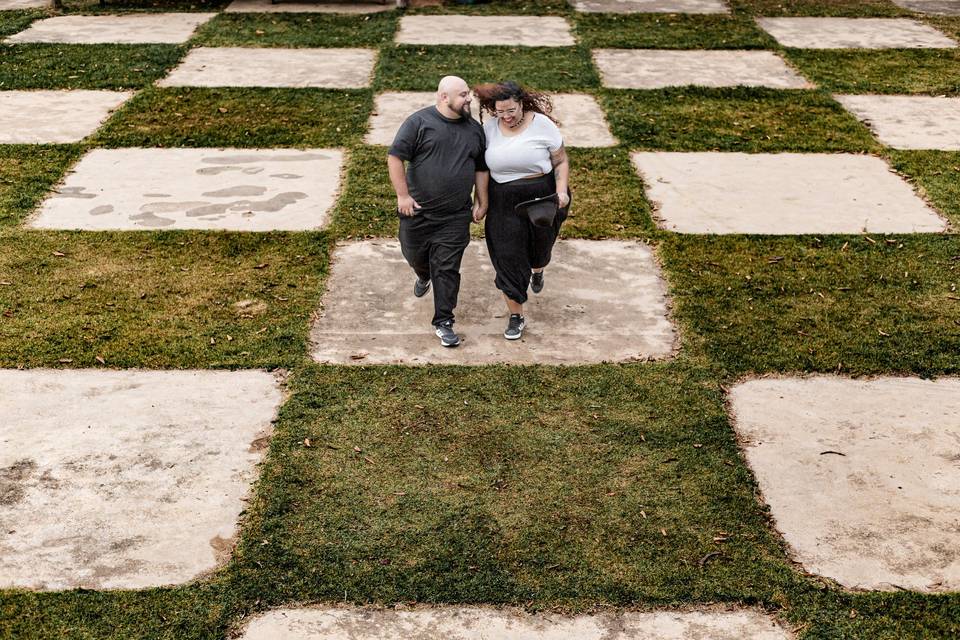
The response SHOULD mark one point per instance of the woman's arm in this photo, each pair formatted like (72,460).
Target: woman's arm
(561,169)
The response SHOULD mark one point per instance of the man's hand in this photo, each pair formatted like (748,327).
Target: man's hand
(479,212)
(407,206)
(563,200)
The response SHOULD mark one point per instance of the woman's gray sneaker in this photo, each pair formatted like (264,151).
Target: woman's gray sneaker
(420,287)
(448,337)
(536,282)
(515,327)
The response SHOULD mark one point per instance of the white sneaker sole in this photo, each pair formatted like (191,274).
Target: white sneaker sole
(451,345)
(518,336)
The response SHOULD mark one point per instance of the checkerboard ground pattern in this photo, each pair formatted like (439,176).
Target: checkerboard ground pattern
(601,92)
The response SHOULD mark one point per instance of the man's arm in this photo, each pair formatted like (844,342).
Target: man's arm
(481,185)
(406,205)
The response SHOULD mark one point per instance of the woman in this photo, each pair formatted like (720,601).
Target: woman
(527,160)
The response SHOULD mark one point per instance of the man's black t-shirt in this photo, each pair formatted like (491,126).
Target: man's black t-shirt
(442,155)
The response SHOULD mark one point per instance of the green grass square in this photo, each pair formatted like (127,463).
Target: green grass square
(12,22)
(27,173)
(297,30)
(419,68)
(936,175)
(670,31)
(158,299)
(560,486)
(737,119)
(239,117)
(850,304)
(893,71)
(85,66)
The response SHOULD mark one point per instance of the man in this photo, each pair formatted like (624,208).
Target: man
(443,147)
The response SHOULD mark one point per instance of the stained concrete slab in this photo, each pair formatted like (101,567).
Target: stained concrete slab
(129,28)
(784,193)
(249,67)
(861,475)
(523,31)
(854,33)
(485,623)
(909,122)
(603,301)
(51,117)
(932,7)
(651,6)
(657,68)
(282,6)
(125,479)
(236,189)
(582,121)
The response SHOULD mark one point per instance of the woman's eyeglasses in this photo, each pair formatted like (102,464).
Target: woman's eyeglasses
(507,112)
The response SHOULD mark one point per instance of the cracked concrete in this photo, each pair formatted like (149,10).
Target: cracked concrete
(487,623)
(582,121)
(854,33)
(782,193)
(655,68)
(603,301)
(529,31)
(235,189)
(130,28)
(909,122)
(250,67)
(125,479)
(861,476)
(53,117)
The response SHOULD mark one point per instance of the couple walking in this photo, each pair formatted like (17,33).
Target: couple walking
(515,165)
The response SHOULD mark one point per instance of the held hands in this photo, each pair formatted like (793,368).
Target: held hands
(407,206)
(563,200)
(479,212)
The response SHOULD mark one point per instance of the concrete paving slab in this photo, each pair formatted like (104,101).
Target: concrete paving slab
(51,117)
(14,5)
(129,28)
(582,121)
(932,7)
(235,189)
(909,122)
(371,317)
(657,68)
(485,623)
(784,193)
(854,33)
(125,479)
(250,67)
(651,6)
(861,475)
(282,6)
(523,31)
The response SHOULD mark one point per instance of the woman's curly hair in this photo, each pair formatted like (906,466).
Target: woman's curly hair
(492,92)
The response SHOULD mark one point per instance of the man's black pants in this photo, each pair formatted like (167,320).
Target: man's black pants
(434,246)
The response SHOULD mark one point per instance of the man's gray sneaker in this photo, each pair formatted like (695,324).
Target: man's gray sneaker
(448,337)
(536,282)
(515,327)
(420,287)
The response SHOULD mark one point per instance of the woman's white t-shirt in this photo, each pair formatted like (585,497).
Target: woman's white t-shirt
(523,155)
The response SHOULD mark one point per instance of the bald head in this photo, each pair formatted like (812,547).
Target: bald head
(451,85)
(453,97)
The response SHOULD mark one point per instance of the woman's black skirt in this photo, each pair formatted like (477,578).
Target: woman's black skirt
(517,246)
